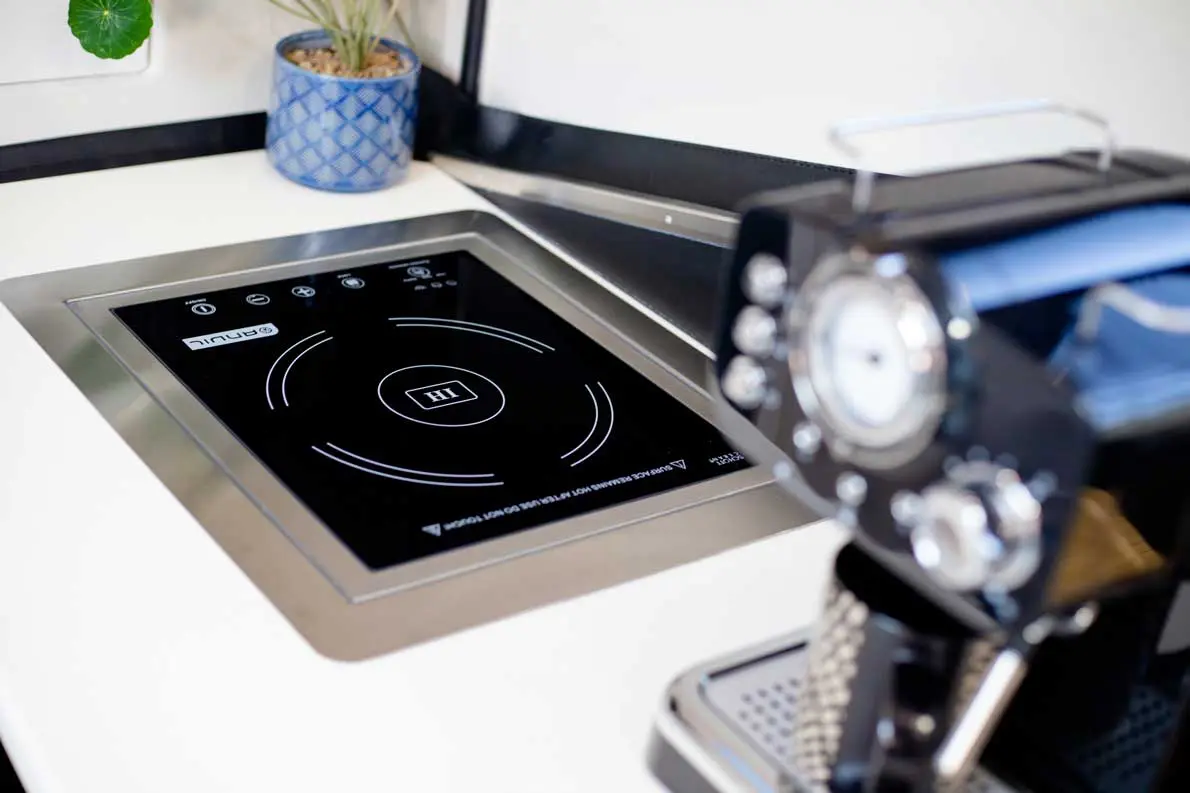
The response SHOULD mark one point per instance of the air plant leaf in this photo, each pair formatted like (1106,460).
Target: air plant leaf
(111,28)
(354,26)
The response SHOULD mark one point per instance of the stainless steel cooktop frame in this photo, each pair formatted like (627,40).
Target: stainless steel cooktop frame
(342,608)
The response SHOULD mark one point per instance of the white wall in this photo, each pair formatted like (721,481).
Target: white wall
(759,75)
(206,58)
(771,75)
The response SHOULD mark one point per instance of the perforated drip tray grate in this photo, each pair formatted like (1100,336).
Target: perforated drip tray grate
(739,711)
(758,700)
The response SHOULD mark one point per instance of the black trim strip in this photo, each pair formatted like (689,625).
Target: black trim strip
(451,123)
(8,775)
(699,174)
(119,148)
(477,11)
(684,171)
(706,175)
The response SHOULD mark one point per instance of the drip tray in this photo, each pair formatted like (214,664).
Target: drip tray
(406,429)
(727,726)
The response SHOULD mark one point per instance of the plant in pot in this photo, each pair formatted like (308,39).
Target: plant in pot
(343,106)
(344,100)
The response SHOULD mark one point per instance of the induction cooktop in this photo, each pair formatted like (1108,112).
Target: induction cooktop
(426,404)
(406,429)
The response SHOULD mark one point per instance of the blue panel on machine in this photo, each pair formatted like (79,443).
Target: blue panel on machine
(1113,246)
(1135,365)
(1129,372)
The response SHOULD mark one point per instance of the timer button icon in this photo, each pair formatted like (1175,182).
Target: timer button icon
(353,282)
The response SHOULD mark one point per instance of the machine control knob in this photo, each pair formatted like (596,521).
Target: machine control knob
(765,279)
(745,382)
(978,529)
(755,331)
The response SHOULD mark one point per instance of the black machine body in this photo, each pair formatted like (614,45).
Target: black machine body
(981,398)
(979,372)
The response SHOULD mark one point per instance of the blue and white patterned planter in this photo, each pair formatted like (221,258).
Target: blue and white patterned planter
(336,133)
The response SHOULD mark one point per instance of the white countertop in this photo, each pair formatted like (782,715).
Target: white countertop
(136,657)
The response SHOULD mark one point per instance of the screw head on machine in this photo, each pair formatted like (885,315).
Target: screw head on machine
(851,488)
(807,438)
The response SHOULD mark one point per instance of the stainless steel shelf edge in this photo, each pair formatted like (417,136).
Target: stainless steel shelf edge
(666,215)
(343,609)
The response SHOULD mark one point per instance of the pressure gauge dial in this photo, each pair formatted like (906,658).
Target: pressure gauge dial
(868,362)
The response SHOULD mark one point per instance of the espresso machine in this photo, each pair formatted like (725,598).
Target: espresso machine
(984,375)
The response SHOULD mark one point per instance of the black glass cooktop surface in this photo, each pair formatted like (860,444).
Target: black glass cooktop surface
(425,405)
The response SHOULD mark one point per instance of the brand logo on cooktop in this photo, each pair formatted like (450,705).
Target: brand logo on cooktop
(231,336)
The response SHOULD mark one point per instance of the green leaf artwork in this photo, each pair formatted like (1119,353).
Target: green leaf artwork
(111,28)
